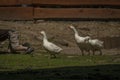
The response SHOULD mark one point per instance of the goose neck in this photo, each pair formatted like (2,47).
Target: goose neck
(75,31)
(44,37)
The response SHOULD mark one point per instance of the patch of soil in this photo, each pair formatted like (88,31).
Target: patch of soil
(59,33)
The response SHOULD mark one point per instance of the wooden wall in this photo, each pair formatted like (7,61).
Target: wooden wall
(111,42)
(59,9)
(63,9)
(16,10)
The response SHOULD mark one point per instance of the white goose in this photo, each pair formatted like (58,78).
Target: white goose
(81,41)
(49,46)
(96,45)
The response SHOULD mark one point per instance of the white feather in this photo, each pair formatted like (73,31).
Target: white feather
(96,42)
(49,45)
(81,41)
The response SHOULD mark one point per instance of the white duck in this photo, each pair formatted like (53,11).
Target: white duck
(81,41)
(49,46)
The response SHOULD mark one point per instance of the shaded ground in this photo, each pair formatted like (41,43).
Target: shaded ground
(58,32)
(103,72)
(66,67)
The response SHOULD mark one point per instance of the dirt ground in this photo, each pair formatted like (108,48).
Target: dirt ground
(59,33)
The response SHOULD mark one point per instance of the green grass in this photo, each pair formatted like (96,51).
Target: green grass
(20,61)
(40,67)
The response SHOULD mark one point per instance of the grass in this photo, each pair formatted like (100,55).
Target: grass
(40,67)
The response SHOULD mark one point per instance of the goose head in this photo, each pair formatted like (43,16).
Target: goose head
(42,32)
(74,29)
(71,27)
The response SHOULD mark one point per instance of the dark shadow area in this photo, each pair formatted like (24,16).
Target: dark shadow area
(75,6)
(100,72)
(4,52)
(78,19)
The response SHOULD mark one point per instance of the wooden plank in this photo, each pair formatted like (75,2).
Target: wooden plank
(117,42)
(78,13)
(8,2)
(16,13)
(24,1)
(108,44)
(14,2)
(77,2)
(113,42)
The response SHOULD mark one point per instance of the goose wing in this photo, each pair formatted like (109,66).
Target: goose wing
(80,39)
(52,47)
(55,47)
(96,42)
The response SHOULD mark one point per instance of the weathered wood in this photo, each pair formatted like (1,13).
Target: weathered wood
(107,43)
(24,2)
(8,2)
(14,2)
(111,42)
(115,42)
(77,2)
(16,13)
(118,40)
(101,13)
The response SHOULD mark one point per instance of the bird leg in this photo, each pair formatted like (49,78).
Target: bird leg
(100,52)
(93,52)
(88,52)
(82,51)
(52,55)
